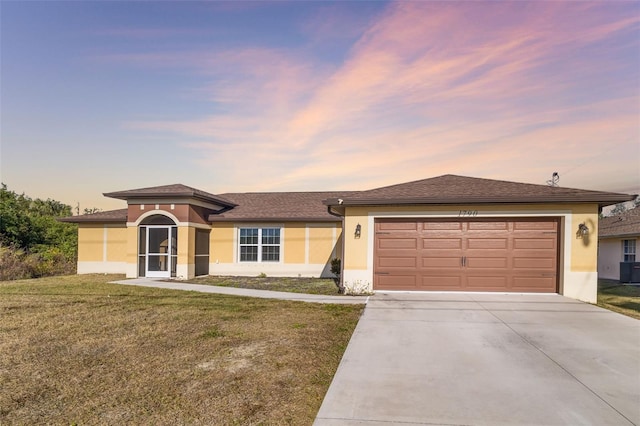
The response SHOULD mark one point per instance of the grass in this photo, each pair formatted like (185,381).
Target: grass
(324,286)
(77,350)
(624,299)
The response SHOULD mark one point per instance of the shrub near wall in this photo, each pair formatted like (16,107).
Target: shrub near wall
(32,242)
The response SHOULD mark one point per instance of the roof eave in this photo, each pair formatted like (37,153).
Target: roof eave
(621,235)
(215,218)
(601,201)
(189,195)
(79,219)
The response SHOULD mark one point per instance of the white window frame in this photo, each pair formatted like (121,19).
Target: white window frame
(628,250)
(260,245)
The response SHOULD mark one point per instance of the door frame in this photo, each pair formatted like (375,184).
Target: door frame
(168,254)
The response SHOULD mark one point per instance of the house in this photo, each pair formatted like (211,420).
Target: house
(618,239)
(448,233)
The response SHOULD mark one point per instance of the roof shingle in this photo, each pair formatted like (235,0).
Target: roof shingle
(452,189)
(622,225)
(175,190)
(115,216)
(278,206)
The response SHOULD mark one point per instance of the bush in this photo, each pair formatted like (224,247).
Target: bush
(17,264)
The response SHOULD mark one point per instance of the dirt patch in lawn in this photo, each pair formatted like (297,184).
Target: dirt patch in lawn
(624,299)
(324,286)
(79,350)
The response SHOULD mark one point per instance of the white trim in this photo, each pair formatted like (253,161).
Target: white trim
(102,267)
(154,212)
(633,253)
(169,254)
(272,269)
(183,271)
(170,216)
(460,292)
(237,228)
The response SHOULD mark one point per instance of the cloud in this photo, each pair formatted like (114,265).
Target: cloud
(509,90)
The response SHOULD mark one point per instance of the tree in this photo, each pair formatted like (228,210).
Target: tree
(619,209)
(31,234)
(91,210)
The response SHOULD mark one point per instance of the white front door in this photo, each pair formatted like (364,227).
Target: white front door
(159,251)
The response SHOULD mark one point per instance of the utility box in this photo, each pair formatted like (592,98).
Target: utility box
(630,272)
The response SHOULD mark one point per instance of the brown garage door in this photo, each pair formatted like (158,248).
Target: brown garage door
(471,255)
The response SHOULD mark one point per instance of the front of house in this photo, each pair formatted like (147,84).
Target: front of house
(449,233)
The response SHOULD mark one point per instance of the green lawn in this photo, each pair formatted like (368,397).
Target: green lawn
(296,285)
(621,298)
(79,350)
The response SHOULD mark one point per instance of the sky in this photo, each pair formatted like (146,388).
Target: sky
(101,96)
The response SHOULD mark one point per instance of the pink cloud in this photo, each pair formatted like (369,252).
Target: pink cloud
(488,89)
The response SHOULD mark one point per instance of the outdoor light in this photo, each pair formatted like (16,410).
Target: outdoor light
(583,230)
(358,229)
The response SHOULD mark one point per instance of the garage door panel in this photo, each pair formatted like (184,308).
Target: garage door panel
(534,284)
(487,243)
(486,283)
(487,262)
(441,282)
(449,226)
(535,243)
(488,226)
(535,225)
(397,282)
(534,263)
(397,262)
(397,226)
(442,243)
(441,262)
(399,243)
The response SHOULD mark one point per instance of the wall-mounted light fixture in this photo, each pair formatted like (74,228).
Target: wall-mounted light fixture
(358,231)
(583,230)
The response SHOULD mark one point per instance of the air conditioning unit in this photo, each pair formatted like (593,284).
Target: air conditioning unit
(630,272)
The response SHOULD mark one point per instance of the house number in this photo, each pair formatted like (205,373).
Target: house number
(468,213)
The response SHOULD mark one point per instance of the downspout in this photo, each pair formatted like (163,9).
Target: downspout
(333,214)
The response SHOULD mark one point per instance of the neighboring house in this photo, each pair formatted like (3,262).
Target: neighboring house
(618,239)
(448,233)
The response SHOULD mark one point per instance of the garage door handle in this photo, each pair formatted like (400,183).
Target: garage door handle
(464,261)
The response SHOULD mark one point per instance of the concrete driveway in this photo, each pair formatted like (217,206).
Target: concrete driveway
(487,359)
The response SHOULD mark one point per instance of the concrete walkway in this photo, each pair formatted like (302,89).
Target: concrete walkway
(486,359)
(264,294)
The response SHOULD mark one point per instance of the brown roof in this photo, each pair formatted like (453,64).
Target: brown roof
(176,190)
(624,224)
(452,189)
(278,206)
(312,206)
(116,216)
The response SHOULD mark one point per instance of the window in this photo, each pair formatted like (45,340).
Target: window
(259,244)
(628,250)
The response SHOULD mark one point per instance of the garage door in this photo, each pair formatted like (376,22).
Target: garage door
(472,255)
